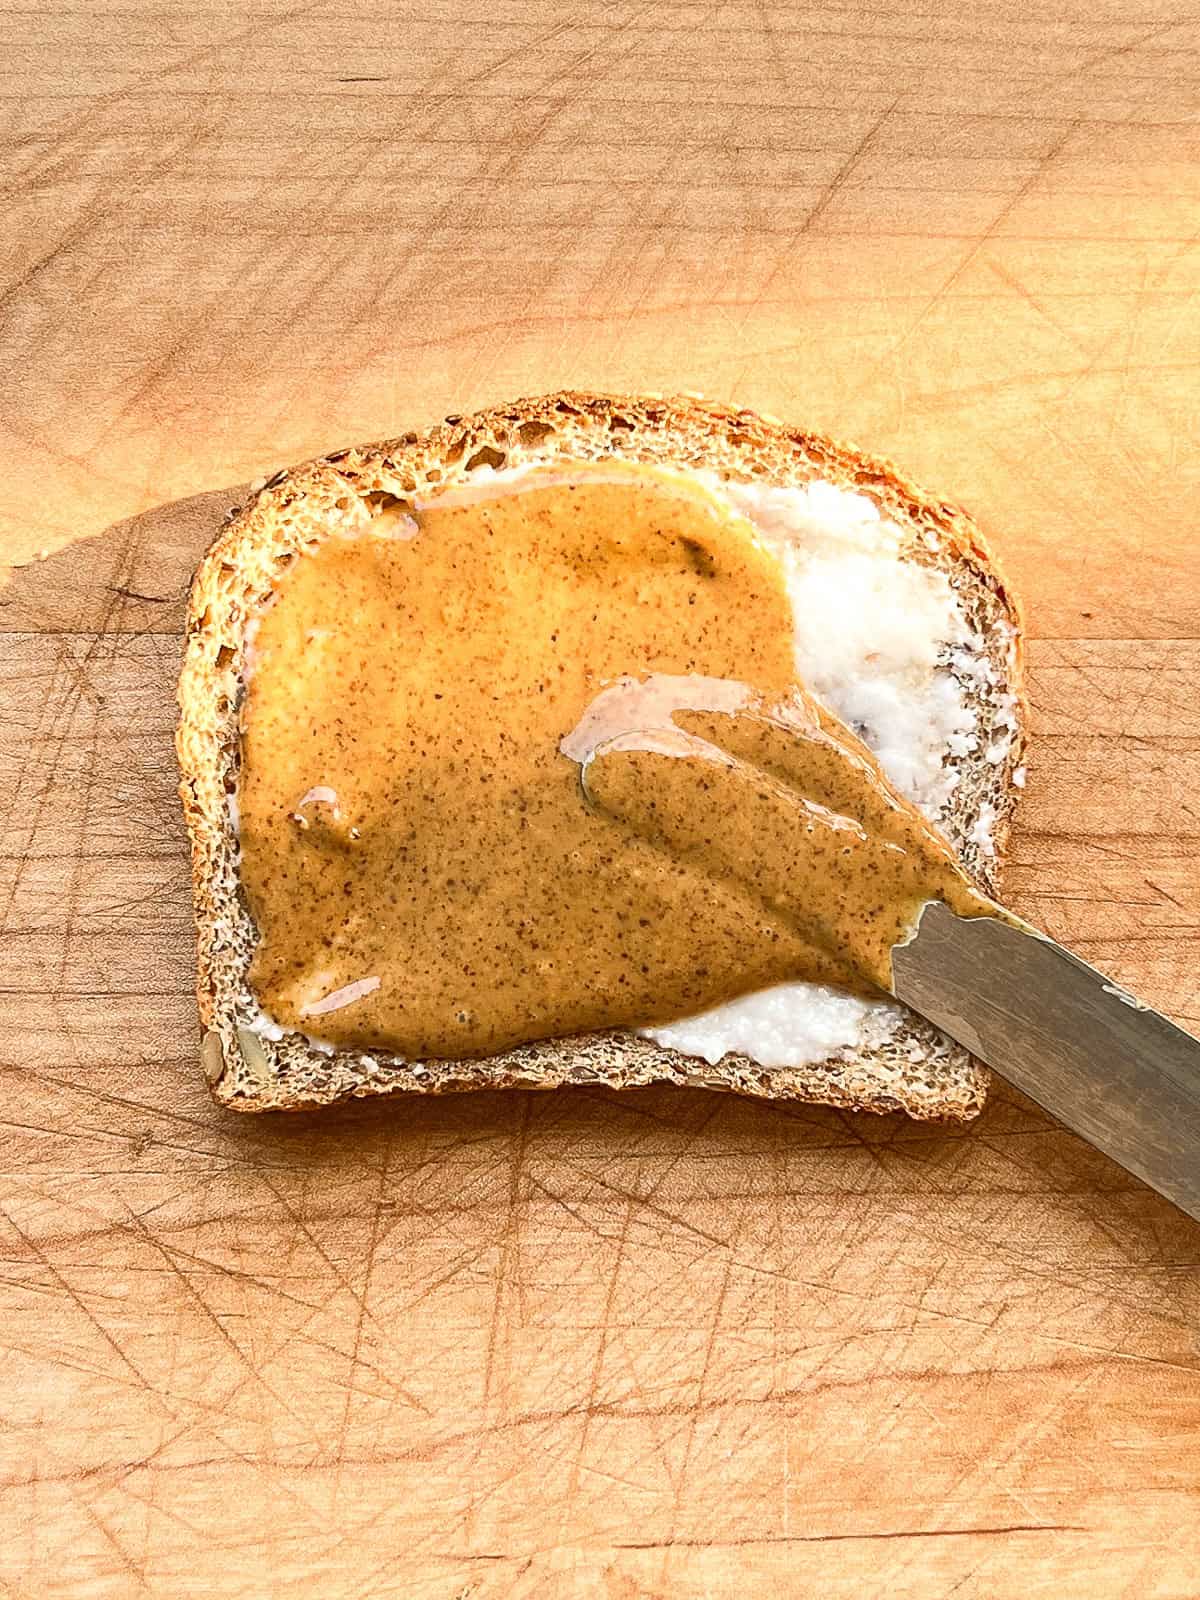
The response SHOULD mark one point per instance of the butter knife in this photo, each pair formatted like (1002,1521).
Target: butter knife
(1099,1060)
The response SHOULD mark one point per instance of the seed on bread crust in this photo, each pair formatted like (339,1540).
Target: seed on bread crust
(253,1054)
(212,1057)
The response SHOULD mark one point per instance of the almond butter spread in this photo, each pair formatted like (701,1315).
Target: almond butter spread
(532,760)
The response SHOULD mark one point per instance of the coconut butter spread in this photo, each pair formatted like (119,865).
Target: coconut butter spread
(532,760)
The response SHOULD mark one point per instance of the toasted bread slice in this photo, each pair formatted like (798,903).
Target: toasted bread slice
(904,1064)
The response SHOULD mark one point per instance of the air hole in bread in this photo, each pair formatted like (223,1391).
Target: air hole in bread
(620,422)
(531,433)
(225,655)
(487,457)
(382,500)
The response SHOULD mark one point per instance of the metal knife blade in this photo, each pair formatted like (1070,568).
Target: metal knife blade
(1096,1058)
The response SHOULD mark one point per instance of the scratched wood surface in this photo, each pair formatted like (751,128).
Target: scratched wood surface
(575,1344)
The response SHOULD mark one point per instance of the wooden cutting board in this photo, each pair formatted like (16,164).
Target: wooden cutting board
(573,1344)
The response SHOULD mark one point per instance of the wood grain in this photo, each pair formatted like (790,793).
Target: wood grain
(571,1345)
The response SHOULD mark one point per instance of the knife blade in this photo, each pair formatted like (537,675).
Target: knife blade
(1090,1053)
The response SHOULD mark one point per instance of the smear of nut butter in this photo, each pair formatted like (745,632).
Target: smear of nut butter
(539,764)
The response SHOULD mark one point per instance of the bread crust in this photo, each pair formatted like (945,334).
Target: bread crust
(916,1069)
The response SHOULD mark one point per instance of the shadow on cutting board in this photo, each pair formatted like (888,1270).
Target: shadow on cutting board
(132,578)
(112,609)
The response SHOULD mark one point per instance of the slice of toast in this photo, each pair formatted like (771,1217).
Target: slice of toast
(906,1065)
